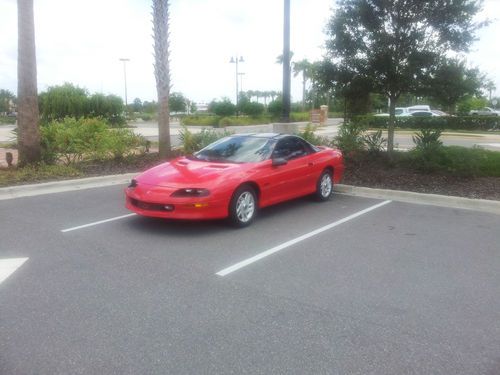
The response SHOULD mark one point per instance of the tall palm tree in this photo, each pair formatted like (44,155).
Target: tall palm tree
(162,72)
(303,66)
(28,135)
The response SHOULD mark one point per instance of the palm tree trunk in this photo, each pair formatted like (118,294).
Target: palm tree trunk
(28,136)
(162,72)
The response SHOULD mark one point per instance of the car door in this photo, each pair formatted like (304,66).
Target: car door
(292,179)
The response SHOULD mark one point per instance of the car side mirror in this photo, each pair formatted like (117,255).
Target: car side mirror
(279,161)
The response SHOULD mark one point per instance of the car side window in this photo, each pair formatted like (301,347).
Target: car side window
(290,148)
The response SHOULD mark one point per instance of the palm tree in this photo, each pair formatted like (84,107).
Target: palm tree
(28,136)
(162,72)
(303,66)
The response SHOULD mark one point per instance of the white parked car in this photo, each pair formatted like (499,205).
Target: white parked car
(486,111)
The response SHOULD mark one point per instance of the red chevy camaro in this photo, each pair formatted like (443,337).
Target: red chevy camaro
(234,177)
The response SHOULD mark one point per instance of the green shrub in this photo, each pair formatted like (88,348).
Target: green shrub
(482,123)
(7,120)
(146,117)
(300,116)
(203,120)
(73,140)
(374,142)
(309,135)
(349,139)
(222,108)
(253,109)
(192,142)
(427,140)
(225,121)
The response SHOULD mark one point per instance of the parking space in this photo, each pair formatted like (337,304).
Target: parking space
(353,285)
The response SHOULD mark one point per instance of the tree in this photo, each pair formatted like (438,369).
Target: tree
(451,82)
(28,134)
(177,102)
(396,43)
(223,107)
(490,86)
(162,72)
(137,105)
(63,101)
(6,98)
(303,66)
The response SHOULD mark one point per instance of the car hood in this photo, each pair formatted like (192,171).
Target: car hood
(184,172)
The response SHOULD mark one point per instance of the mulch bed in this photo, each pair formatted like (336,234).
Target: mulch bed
(378,174)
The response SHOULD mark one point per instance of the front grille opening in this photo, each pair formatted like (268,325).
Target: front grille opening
(152,206)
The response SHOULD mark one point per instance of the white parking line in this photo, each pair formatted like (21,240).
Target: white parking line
(9,266)
(246,262)
(96,223)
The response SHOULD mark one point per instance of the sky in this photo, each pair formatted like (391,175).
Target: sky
(81,42)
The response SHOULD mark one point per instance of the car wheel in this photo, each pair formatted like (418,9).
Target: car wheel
(324,186)
(243,207)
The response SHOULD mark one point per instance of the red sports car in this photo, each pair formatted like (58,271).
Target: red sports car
(234,177)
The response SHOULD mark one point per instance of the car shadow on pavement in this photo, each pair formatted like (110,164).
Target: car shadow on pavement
(208,228)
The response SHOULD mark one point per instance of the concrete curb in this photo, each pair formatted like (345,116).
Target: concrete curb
(20,191)
(483,205)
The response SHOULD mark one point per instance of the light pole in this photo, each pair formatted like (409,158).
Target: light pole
(236,60)
(125,60)
(241,81)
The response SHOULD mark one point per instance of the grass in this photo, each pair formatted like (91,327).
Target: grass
(38,173)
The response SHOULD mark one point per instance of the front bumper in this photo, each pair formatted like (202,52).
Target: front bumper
(157,202)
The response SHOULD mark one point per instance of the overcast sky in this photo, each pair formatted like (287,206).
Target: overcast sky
(81,42)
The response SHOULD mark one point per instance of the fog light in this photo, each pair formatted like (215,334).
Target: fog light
(168,207)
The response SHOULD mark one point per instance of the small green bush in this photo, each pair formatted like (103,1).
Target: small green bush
(192,142)
(350,139)
(375,142)
(202,120)
(309,135)
(481,123)
(73,140)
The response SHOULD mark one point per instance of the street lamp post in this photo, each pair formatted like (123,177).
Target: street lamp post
(125,60)
(241,81)
(236,60)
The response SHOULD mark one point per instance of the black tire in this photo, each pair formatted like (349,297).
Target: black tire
(243,207)
(324,186)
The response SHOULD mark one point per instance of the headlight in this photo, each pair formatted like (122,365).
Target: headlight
(133,184)
(191,192)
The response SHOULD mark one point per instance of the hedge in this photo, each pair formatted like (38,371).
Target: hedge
(484,123)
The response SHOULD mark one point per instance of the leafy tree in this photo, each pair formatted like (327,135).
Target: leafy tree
(162,72)
(451,82)
(137,105)
(253,109)
(63,101)
(177,102)
(28,132)
(469,103)
(5,99)
(490,87)
(222,108)
(397,43)
(303,66)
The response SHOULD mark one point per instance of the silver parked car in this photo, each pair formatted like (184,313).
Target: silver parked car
(486,111)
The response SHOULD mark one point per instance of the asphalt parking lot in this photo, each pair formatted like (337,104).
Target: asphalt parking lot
(350,286)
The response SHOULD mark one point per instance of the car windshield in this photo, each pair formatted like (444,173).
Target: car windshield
(237,149)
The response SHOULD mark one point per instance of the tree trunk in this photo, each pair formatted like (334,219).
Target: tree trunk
(162,72)
(303,90)
(28,136)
